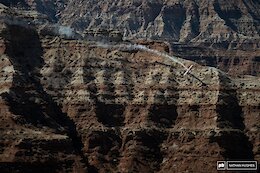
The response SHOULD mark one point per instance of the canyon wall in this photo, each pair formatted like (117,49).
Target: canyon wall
(217,33)
(70,105)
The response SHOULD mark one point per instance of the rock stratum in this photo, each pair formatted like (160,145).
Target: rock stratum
(70,105)
(190,20)
(210,32)
(208,22)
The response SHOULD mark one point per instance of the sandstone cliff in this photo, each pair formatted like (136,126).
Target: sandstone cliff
(77,106)
(196,21)
(70,105)
(205,21)
(200,31)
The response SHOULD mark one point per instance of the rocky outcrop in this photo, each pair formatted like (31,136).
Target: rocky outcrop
(70,105)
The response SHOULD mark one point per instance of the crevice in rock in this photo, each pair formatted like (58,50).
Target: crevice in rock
(236,145)
(230,114)
(225,15)
(230,120)
(173,18)
(103,150)
(153,10)
(150,153)
(110,115)
(163,115)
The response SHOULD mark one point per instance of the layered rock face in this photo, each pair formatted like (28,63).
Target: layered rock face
(184,21)
(216,33)
(69,105)
(236,62)
(78,106)
(203,21)
(206,29)
(221,25)
(35,133)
